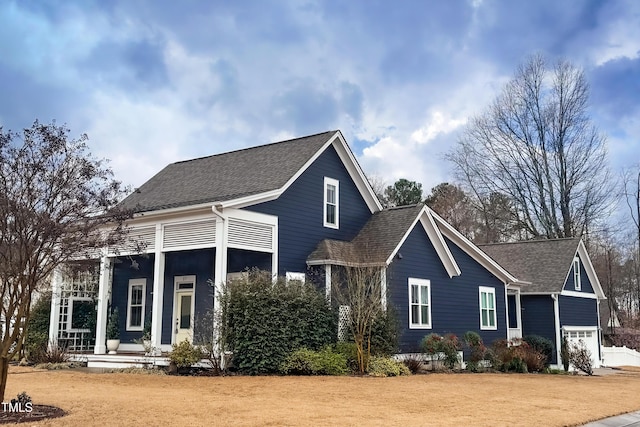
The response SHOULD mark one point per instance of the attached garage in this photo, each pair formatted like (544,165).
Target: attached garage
(588,335)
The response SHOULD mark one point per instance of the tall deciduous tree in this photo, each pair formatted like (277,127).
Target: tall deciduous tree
(57,204)
(403,192)
(452,203)
(536,144)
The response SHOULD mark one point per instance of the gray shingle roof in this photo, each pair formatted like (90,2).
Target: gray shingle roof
(544,263)
(226,176)
(374,243)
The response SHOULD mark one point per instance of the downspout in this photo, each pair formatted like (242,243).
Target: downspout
(556,315)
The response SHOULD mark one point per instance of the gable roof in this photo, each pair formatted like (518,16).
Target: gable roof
(544,263)
(383,235)
(239,178)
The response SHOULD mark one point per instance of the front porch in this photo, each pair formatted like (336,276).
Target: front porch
(165,279)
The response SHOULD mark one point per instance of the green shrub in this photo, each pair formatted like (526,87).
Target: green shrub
(350,351)
(477,350)
(385,333)
(184,354)
(386,367)
(516,365)
(565,354)
(445,348)
(113,325)
(37,337)
(310,362)
(263,322)
(541,345)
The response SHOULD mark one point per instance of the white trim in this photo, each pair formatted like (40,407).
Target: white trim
(104,287)
(132,283)
(336,203)
(421,284)
(472,250)
(575,267)
(70,315)
(556,316)
(293,275)
(580,328)
(578,294)
(158,290)
(383,287)
(591,273)
(54,317)
(489,291)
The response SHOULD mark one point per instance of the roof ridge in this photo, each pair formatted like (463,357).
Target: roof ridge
(253,147)
(391,208)
(557,239)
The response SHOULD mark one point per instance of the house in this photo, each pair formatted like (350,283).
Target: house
(563,294)
(293,208)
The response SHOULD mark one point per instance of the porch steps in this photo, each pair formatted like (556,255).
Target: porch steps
(120,360)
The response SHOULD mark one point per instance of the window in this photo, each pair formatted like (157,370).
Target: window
(331,202)
(488,308)
(295,276)
(419,304)
(135,304)
(576,274)
(83,312)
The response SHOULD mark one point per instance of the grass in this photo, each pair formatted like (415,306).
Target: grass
(433,399)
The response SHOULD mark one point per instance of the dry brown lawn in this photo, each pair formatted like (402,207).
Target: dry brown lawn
(422,400)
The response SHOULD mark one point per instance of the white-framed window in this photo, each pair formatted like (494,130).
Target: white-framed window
(290,275)
(81,312)
(135,304)
(488,308)
(576,274)
(331,209)
(419,304)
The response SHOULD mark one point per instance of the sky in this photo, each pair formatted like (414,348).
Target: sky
(152,82)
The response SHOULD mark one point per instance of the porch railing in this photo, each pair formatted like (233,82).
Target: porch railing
(515,333)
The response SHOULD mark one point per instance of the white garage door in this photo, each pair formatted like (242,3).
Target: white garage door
(575,334)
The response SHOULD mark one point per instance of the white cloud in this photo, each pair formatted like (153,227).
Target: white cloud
(436,125)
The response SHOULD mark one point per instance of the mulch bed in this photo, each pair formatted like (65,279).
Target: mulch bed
(39,412)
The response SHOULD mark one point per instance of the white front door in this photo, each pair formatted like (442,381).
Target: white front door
(184,304)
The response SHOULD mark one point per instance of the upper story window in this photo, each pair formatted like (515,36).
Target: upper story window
(488,308)
(419,304)
(135,304)
(576,274)
(331,202)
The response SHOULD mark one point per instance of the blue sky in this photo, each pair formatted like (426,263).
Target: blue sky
(153,82)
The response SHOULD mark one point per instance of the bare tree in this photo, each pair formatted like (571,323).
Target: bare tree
(631,179)
(360,287)
(378,184)
(454,205)
(536,144)
(57,204)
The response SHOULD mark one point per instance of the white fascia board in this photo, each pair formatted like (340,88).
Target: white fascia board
(578,294)
(141,216)
(472,250)
(436,240)
(591,272)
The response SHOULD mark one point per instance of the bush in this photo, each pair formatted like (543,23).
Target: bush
(565,354)
(310,362)
(184,354)
(263,322)
(414,362)
(386,367)
(580,358)
(477,350)
(445,348)
(53,353)
(541,345)
(350,351)
(37,337)
(509,356)
(385,333)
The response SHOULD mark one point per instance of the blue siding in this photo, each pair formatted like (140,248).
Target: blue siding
(240,260)
(199,263)
(454,301)
(585,284)
(538,318)
(576,311)
(300,209)
(124,269)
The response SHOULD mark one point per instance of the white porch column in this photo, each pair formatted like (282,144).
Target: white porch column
(220,267)
(104,287)
(54,318)
(327,281)
(158,291)
(556,315)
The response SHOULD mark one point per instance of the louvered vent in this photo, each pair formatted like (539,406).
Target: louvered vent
(143,239)
(189,235)
(251,235)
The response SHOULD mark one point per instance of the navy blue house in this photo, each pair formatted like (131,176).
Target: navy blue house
(291,207)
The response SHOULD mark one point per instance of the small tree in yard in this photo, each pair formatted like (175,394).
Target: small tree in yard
(580,358)
(360,288)
(57,204)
